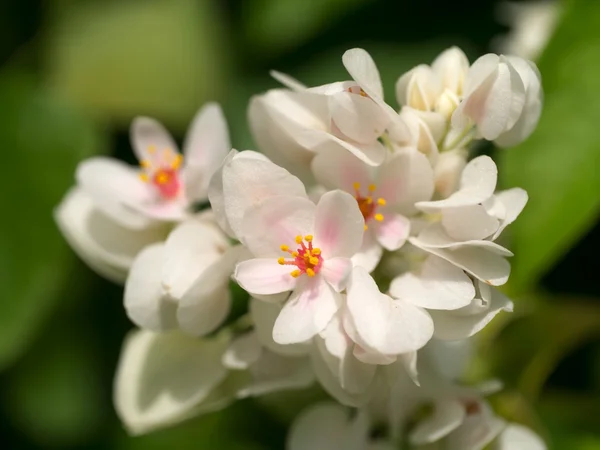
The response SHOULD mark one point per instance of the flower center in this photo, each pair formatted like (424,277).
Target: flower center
(357,90)
(162,172)
(367,205)
(307,259)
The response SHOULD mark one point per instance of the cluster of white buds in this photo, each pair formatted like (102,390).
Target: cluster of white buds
(363,235)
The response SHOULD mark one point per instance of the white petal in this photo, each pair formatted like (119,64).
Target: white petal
(466,223)
(454,325)
(447,416)
(406,178)
(518,437)
(245,181)
(190,248)
(393,231)
(307,312)
(358,118)
(116,189)
(340,169)
(150,138)
(451,66)
(162,378)
(513,200)
(336,272)
(484,265)
(206,146)
(288,81)
(479,71)
(434,236)
(369,254)
(477,184)
(146,303)
(105,245)
(264,276)
(243,351)
(363,70)
(388,326)
(477,431)
(339,225)
(448,170)
(264,315)
(440,285)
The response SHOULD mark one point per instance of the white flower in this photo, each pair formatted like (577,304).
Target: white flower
(291,126)
(330,426)
(532,24)
(105,245)
(385,195)
(320,240)
(447,171)
(518,437)
(165,378)
(168,184)
(502,97)
(183,282)
(471,219)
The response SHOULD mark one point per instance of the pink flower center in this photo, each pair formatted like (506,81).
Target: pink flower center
(307,259)
(162,172)
(367,205)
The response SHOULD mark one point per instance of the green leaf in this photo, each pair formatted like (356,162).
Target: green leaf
(558,165)
(42,141)
(152,57)
(278,25)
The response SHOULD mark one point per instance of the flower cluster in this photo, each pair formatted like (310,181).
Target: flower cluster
(364,236)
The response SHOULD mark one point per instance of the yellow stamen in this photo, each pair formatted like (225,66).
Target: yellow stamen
(316,251)
(298,239)
(379,217)
(381,202)
(151,149)
(314,260)
(177,162)
(310,272)
(308,238)
(162,178)
(369,200)
(295,273)
(281,260)
(284,248)
(294,254)
(366,227)
(356,186)
(145,163)
(372,187)
(144,177)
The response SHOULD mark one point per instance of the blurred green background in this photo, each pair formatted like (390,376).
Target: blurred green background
(73,73)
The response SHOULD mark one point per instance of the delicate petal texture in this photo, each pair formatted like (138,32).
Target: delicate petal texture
(105,245)
(387,326)
(404,179)
(447,416)
(246,180)
(307,312)
(465,223)
(518,437)
(358,118)
(115,189)
(369,254)
(477,184)
(285,218)
(288,81)
(513,200)
(336,272)
(149,138)
(339,225)
(264,276)
(464,323)
(205,147)
(392,232)
(451,66)
(477,431)
(448,170)
(440,285)
(162,378)
(243,351)
(320,141)
(418,88)
(484,265)
(340,169)
(146,303)
(264,315)
(363,70)
(190,248)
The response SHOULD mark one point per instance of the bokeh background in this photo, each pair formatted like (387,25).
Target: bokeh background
(73,73)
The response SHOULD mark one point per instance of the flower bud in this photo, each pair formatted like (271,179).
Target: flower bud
(498,98)
(418,88)
(447,103)
(448,170)
(451,66)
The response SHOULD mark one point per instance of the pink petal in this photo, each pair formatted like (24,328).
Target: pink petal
(264,276)
(393,231)
(336,272)
(340,169)
(150,139)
